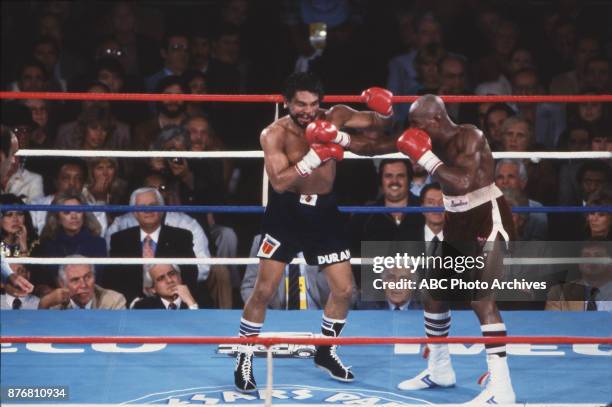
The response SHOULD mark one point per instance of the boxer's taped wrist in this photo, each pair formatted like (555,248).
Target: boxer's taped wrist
(385,116)
(343,139)
(308,163)
(430,162)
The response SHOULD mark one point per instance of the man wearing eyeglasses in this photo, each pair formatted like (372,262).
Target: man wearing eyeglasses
(164,282)
(175,53)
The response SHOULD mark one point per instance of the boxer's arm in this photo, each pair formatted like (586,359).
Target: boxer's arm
(369,146)
(281,173)
(462,174)
(344,116)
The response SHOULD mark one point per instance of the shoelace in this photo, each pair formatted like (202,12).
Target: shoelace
(334,356)
(246,367)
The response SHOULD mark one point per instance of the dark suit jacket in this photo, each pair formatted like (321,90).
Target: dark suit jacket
(173,242)
(154,302)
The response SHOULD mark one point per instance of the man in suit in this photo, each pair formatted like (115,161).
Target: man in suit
(592,292)
(166,286)
(313,288)
(78,290)
(151,238)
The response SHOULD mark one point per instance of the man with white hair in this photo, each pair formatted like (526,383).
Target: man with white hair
(512,174)
(166,286)
(78,290)
(151,238)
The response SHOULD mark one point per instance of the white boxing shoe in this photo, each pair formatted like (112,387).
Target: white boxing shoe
(443,377)
(498,389)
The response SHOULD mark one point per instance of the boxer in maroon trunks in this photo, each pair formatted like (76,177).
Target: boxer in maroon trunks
(477,215)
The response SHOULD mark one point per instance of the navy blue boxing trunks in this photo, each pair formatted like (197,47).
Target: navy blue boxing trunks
(311,224)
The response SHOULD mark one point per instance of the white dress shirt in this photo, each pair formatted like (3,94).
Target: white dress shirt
(27,302)
(177,220)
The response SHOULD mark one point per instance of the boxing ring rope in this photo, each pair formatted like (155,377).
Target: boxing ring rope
(267,341)
(158,97)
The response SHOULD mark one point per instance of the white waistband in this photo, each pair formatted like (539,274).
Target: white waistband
(463,203)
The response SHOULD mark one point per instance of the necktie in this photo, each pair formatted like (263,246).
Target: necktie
(147,248)
(172,306)
(591,304)
(17,303)
(397,308)
(434,246)
(293,301)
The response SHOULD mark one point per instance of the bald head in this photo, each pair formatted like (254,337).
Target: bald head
(427,107)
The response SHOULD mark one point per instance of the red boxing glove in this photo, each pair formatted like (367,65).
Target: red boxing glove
(416,144)
(317,155)
(379,99)
(322,131)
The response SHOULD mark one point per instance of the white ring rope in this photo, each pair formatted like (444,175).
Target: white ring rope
(533,155)
(245,261)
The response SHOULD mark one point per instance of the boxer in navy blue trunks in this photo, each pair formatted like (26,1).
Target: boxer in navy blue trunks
(300,153)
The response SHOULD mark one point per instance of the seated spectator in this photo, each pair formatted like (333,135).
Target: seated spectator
(66,233)
(200,50)
(520,58)
(593,178)
(548,119)
(15,297)
(18,234)
(452,71)
(43,136)
(494,118)
(46,51)
(312,294)
(505,38)
(104,186)
(151,238)
(571,82)
(576,137)
(426,64)
(395,177)
(18,180)
(591,292)
(396,299)
(78,290)
(512,174)
(168,113)
(517,135)
(590,113)
(599,223)
(197,84)
(204,138)
(31,77)
(175,54)
(69,178)
(166,287)
(597,74)
(178,220)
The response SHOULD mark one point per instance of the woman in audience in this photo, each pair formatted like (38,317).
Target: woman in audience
(598,223)
(104,185)
(18,234)
(66,233)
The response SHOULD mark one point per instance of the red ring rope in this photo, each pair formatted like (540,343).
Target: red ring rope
(151,97)
(267,341)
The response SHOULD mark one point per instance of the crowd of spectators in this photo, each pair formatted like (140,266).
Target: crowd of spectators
(239,46)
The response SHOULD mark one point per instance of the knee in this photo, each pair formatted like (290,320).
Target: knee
(344,293)
(262,293)
(483,306)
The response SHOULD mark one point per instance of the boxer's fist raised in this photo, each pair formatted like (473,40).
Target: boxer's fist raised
(378,99)
(416,144)
(322,131)
(317,155)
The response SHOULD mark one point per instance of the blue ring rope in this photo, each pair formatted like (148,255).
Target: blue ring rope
(261,209)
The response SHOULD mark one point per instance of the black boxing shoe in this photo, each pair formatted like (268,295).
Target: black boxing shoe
(327,359)
(243,373)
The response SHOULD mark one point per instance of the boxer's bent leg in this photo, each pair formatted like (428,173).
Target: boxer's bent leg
(268,279)
(340,279)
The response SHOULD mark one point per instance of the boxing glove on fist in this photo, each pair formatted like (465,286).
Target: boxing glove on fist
(379,99)
(416,144)
(322,131)
(317,155)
